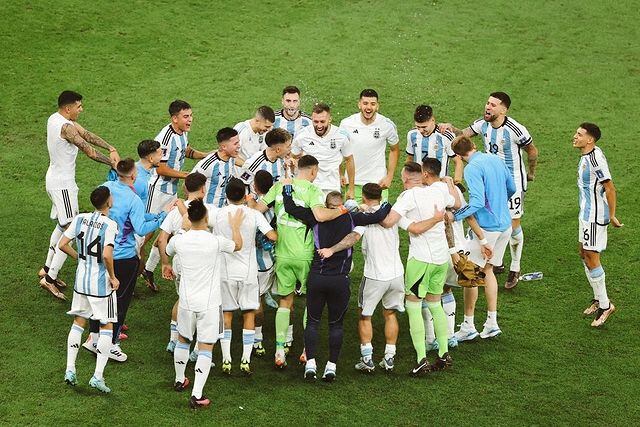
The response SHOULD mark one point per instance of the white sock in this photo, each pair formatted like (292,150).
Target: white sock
(258,336)
(469,321)
(56,263)
(104,347)
(290,334)
(516,242)
(449,306)
(173,336)
(366,350)
(180,358)
(492,317)
(153,259)
(248,335)
(389,350)
(73,345)
(598,279)
(56,234)
(591,282)
(225,346)
(311,364)
(94,338)
(202,368)
(330,366)
(430,335)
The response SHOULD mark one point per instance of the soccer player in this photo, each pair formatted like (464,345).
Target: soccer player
(330,145)
(370,132)
(271,159)
(427,141)
(150,155)
(505,137)
(64,137)
(597,211)
(219,166)
(200,305)
(252,131)
(93,292)
(290,118)
(490,186)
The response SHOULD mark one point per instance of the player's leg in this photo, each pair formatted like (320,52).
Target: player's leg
(186,327)
(316,299)
(415,290)
(73,346)
(369,296)
(429,333)
(286,285)
(150,265)
(436,276)
(449,307)
(208,326)
(105,311)
(595,242)
(516,243)
(230,290)
(499,242)
(173,328)
(467,331)
(249,301)
(258,348)
(338,294)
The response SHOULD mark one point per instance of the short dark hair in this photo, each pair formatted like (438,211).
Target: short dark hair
(68,97)
(431,166)
(290,89)
(225,134)
(196,210)
(276,136)
(423,113)
(235,189)
(125,166)
(372,191)
(333,198)
(262,181)
(147,146)
(178,105)
(592,130)
(461,145)
(307,161)
(194,182)
(99,196)
(369,93)
(412,167)
(503,97)
(266,113)
(321,107)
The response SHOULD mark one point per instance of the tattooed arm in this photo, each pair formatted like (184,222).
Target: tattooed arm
(94,139)
(195,154)
(348,241)
(70,133)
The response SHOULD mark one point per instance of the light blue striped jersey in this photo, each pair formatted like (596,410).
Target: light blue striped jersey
(218,173)
(292,126)
(593,170)
(265,256)
(142,182)
(173,147)
(506,142)
(92,232)
(435,146)
(260,161)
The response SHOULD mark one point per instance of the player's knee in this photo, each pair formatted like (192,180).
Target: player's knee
(388,314)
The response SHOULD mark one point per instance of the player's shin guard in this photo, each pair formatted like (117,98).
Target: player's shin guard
(73,345)
(180,358)
(248,336)
(283,316)
(153,259)
(103,349)
(598,279)
(202,368)
(428,322)
(416,328)
(516,242)
(449,307)
(56,234)
(440,326)
(225,345)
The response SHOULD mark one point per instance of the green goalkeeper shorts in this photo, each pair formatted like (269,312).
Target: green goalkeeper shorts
(422,278)
(289,272)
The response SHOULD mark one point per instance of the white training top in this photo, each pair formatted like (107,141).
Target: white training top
(381,251)
(593,170)
(61,173)
(250,142)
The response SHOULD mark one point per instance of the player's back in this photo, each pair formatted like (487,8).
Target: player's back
(497,183)
(62,155)
(242,264)
(381,251)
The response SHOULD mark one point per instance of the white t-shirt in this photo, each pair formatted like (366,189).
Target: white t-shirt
(369,144)
(242,265)
(61,173)
(200,258)
(329,149)
(250,142)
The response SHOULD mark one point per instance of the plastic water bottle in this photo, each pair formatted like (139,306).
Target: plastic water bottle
(531,276)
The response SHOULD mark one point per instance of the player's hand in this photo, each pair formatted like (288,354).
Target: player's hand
(182,208)
(167,272)
(616,222)
(445,127)
(343,181)
(350,194)
(486,251)
(115,157)
(385,182)
(115,283)
(530,177)
(438,214)
(186,222)
(290,167)
(325,253)
(447,180)
(171,205)
(236,219)
(455,257)
(287,181)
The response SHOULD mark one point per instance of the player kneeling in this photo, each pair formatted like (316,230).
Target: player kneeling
(200,303)
(94,291)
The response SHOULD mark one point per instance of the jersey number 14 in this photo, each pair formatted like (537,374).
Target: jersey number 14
(94,248)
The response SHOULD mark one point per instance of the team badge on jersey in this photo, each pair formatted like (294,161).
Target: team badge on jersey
(333,144)
(376,133)
(355,131)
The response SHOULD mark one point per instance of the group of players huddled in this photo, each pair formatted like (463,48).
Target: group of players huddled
(264,215)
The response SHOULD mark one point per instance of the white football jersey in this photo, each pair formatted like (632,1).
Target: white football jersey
(61,173)
(435,146)
(369,145)
(381,251)
(92,232)
(329,149)
(174,148)
(593,170)
(218,173)
(250,142)
(292,126)
(260,161)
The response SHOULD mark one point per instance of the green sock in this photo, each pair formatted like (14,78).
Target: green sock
(440,326)
(282,323)
(416,327)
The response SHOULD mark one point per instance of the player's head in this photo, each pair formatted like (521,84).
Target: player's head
(497,106)
(308,167)
(264,119)
(279,140)
(127,170)
(411,175)
(431,169)
(463,146)
(101,198)
(424,120)
(586,135)
(262,182)
(368,103)
(321,118)
(235,190)
(197,212)
(228,141)
(181,115)
(291,100)
(333,199)
(194,183)
(150,150)
(70,104)
(371,192)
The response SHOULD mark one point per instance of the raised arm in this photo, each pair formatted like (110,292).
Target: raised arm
(70,134)
(305,215)
(366,218)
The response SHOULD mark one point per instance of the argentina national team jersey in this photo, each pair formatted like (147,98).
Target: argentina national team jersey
(218,173)
(260,161)
(593,170)
(435,146)
(506,142)
(264,256)
(173,148)
(291,126)
(92,232)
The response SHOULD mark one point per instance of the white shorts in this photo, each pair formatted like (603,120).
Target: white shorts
(390,292)
(104,309)
(592,236)
(266,280)
(237,295)
(497,240)
(158,200)
(139,243)
(208,323)
(452,277)
(516,204)
(64,205)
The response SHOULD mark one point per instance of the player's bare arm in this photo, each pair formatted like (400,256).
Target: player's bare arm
(94,139)
(348,241)
(190,153)
(350,166)
(532,160)
(322,214)
(64,246)
(394,155)
(610,194)
(425,225)
(444,127)
(71,135)
(163,240)
(107,258)
(452,191)
(166,171)
(458,170)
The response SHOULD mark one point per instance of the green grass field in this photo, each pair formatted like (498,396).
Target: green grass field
(561,62)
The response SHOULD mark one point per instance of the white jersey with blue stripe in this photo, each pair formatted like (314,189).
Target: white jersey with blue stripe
(92,232)
(173,147)
(435,146)
(250,142)
(593,171)
(292,126)
(264,256)
(260,161)
(506,142)
(218,173)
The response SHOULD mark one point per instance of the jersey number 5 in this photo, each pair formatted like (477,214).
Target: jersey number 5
(94,248)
